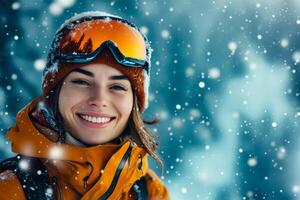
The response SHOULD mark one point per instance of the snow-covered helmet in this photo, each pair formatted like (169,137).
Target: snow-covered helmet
(85,36)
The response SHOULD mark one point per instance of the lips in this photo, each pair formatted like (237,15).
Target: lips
(95,120)
(94,114)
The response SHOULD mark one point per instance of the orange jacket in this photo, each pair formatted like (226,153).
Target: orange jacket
(81,173)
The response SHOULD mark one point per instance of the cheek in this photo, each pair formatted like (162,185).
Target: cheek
(125,105)
(62,103)
(67,99)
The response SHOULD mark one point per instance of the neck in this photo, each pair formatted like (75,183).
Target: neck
(74,141)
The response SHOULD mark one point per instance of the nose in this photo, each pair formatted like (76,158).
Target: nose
(98,98)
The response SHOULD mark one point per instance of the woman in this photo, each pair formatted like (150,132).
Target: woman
(84,137)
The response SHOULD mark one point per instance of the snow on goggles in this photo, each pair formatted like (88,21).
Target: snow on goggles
(81,41)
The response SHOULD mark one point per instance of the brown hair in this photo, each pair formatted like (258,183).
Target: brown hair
(135,130)
(141,134)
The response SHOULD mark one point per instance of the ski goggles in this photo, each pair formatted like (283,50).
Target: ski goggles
(81,41)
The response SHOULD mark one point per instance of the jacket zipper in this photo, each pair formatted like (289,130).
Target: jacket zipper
(117,175)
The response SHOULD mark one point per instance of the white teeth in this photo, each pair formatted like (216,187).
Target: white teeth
(97,120)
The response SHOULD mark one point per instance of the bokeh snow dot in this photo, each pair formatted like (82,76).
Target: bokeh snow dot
(214,73)
(163,114)
(39,64)
(259,37)
(189,72)
(14,76)
(165,34)
(249,194)
(55,152)
(23,164)
(201,84)
(177,122)
(56,9)
(195,112)
(144,30)
(66,3)
(49,191)
(284,42)
(252,162)
(15,5)
(296,56)
(232,46)
(178,106)
(274,124)
(296,189)
(8,87)
(281,153)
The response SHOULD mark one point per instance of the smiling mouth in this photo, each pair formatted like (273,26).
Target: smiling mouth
(96,120)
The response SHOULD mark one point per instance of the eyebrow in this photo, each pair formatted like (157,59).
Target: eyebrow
(88,73)
(118,77)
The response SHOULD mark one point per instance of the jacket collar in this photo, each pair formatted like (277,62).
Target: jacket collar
(100,171)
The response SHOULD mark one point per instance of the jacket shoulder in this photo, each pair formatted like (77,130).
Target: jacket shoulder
(10,187)
(156,189)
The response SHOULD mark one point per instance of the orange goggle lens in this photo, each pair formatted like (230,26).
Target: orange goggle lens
(86,37)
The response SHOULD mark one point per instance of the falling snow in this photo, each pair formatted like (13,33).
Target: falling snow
(224,84)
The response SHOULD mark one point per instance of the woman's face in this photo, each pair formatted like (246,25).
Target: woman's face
(95,102)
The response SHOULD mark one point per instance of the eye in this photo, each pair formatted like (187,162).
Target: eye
(118,87)
(80,82)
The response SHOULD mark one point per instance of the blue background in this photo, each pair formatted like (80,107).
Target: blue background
(224,81)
